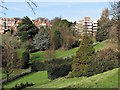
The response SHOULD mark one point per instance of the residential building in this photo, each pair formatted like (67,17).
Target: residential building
(41,22)
(8,23)
(86,25)
(12,23)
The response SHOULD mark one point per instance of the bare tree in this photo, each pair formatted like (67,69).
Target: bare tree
(115,10)
(10,59)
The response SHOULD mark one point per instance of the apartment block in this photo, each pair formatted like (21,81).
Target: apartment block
(41,22)
(86,25)
(8,23)
(12,23)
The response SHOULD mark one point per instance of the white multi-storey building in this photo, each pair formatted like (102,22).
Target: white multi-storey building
(86,25)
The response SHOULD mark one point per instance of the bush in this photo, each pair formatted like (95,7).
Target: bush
(58,71)
(58,67)
(25,60)
(38,66)
(105,60)
(55,68)
(102,61)
(22,86)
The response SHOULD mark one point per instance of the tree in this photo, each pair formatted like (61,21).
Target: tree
(115,8)
(83,57)
(26,29)
(41,40)
(10,59)
(64,28)
(103,26)
(25,59)
(56,39)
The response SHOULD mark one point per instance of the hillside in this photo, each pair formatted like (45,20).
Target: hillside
(107,79)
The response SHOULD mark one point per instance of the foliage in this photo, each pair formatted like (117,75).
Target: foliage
(61,34)
(38,66)
(41,40)
(86,40)
(56,39)
(83,57)
(58,67)
(25,59)
(103,26)
(26,29)
(58,71)
(102,61)
(10,59)
(22,86)
(103,32)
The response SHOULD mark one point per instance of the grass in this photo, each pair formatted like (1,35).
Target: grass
(39,56)
(107,79)
(101,45)
(58,53)
(37,78)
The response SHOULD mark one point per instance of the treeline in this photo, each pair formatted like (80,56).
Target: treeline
(59,35)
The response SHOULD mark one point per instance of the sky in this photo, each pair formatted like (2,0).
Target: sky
(72,11)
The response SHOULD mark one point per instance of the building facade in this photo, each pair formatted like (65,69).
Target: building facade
(86,25)
(8,24)
(12,23)
(41,22)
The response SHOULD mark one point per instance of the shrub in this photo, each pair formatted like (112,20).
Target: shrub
(25,60)
(82,60)
(58,71)
(102,61)
(21,86)
(58,67)
(38,66)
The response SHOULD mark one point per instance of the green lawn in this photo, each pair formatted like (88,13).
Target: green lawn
(101,45)
(62,53)
(107,79)
(37,78)
(58,53)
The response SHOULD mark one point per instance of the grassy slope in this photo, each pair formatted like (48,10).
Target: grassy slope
(101,45)
(37,78)
(107,79)
(59,54)
(62,53)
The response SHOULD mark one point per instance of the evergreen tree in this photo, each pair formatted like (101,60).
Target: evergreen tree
(26,29)
(41,40)
(83,57)
(56,39)
(104,26)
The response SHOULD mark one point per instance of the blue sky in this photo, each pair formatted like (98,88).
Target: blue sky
(73,11)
